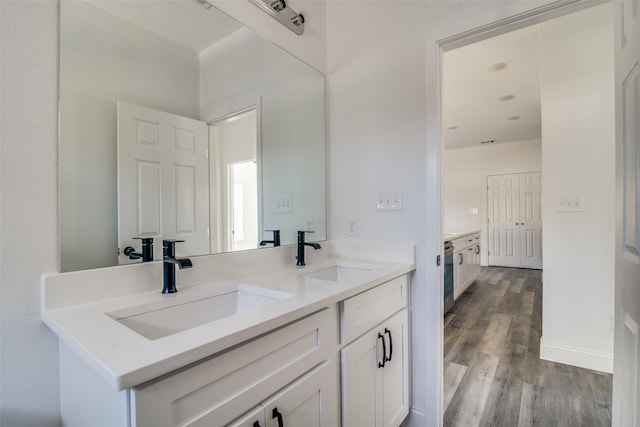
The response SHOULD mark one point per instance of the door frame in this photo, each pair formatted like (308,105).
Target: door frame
(215,174)
(501,26)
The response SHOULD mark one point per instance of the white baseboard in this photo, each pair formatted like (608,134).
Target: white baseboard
(574,356)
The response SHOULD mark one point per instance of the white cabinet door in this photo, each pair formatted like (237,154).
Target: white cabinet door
(307,402)
(163,180)
(375,375)
(458,273)
(395,374)
(360,374)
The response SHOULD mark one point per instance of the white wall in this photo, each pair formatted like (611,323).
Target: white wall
(105,59)
(578,137)
(28,215)
(464,186)
(243,70)
(383,64)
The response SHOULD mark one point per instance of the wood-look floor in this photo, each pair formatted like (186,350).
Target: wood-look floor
(493,375)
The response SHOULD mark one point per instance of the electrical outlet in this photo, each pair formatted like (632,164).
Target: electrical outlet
(352,227)
(473,211)
(308,224)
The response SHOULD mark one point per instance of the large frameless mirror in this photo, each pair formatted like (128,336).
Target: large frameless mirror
(177,122)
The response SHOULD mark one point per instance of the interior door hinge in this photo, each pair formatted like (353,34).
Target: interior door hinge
(438,261)
(208,232)
(206,153)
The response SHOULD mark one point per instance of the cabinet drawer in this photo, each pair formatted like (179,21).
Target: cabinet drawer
(218,390)
(363,311)
(464,242)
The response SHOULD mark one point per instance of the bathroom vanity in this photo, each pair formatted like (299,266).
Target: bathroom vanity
(249,339)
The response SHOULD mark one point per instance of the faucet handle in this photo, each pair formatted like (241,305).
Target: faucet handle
(169,247)
(171,241)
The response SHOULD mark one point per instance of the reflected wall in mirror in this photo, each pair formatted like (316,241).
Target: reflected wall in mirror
(262,111)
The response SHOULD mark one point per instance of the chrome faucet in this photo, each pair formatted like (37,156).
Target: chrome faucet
(275,241)
(169,264)
(302,244)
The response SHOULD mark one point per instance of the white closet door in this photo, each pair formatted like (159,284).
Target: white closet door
(531,220)
(514,220)
(503,220)
(163,174)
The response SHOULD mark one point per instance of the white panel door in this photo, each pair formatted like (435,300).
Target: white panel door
(626,371)
(163,180)
(514,220)
(503,220)
(531,220)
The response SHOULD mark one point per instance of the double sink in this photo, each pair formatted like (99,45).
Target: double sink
(164,318)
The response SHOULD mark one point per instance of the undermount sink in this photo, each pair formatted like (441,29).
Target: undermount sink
(155,321)
(337,273)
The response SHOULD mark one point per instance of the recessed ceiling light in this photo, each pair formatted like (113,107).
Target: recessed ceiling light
(497,66)
(452,127)
(505,97)
(514,118)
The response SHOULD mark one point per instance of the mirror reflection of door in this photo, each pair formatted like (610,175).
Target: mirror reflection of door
(243,203)
(162,180)
(235,177)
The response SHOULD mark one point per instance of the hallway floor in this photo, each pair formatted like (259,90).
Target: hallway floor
(492,373)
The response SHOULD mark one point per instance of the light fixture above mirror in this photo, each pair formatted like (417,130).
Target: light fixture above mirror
(281,12)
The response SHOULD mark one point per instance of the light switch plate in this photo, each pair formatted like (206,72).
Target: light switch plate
(389,200)
(570,204)
(284,204)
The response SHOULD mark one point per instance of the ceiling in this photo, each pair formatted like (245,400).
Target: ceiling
(471,109)
(182,21)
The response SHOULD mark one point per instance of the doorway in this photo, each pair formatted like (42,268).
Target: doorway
(243,205)
(235,181)
(571,170)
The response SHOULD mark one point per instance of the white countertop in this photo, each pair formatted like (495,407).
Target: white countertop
(457,235)
(75,307)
